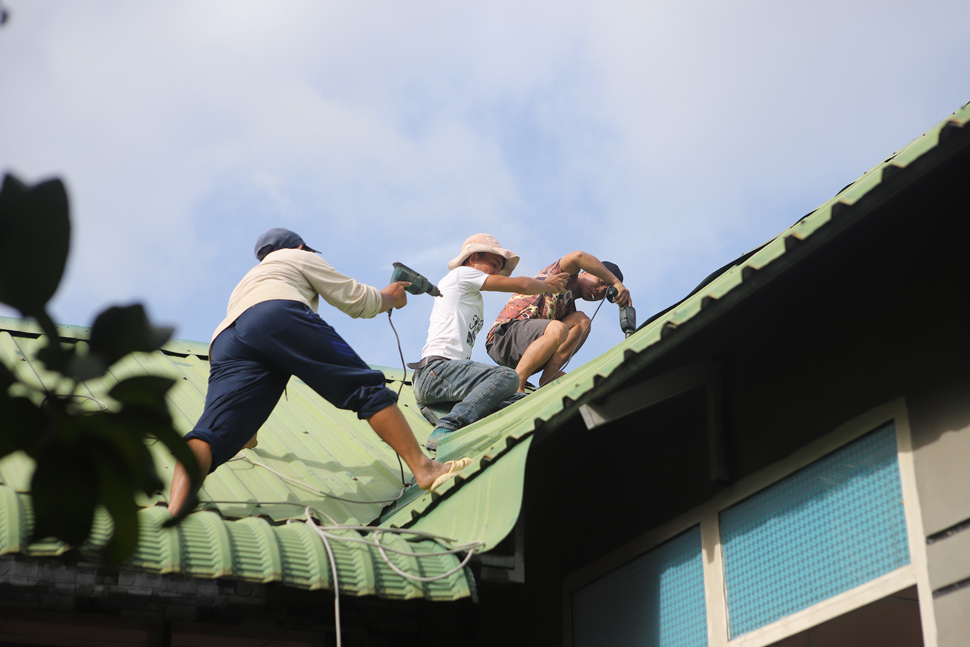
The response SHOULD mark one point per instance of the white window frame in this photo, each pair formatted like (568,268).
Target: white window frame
(914,573)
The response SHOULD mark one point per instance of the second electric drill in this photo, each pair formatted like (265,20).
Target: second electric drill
(628,316)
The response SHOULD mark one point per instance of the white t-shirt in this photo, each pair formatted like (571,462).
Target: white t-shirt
(457,316)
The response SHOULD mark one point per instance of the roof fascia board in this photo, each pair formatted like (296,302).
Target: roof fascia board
(619,404)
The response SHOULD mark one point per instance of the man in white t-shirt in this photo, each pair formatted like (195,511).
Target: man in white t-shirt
(446,372)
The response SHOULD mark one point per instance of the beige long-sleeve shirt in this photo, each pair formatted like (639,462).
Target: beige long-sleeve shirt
(298,275)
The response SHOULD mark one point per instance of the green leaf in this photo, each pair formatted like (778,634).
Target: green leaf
(7,377)
(117,498)
(179,447)
(144,407)
(23,422)
(81,367)
(55,356)
(115,435)
(35,232)
(47,325)
(65,491)
(144,391)
(121,330)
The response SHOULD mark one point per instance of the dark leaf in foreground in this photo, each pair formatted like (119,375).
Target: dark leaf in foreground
(121,330)
(35,232)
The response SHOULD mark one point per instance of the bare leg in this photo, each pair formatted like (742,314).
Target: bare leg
(578,325)
(181,489)
(539,351)
(389,424)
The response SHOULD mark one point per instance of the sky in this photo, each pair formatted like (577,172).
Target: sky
(669,137)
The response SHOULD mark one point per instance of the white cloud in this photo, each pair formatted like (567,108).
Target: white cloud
(668,137)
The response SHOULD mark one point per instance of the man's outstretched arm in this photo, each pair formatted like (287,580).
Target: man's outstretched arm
(554,283)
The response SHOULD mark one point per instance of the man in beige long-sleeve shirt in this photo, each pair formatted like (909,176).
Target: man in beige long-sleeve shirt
(271,331)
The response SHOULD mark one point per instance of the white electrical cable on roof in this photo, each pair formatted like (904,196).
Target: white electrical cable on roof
(326,537)
(243,457)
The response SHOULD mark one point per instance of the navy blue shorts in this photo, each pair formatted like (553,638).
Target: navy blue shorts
(253,359)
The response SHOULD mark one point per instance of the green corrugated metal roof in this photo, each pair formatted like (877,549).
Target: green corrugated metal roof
(308,454)
(254,550)
(307,441)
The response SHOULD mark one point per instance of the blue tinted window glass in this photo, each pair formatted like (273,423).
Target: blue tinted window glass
(656,599)
(827,528)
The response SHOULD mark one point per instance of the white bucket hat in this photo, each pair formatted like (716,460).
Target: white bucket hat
(485,243)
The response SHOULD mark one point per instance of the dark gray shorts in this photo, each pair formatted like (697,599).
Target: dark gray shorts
(512,338)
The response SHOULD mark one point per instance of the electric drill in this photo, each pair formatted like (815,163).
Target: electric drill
(419,284)
(628,316)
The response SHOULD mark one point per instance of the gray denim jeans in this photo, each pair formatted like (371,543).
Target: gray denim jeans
(478,389)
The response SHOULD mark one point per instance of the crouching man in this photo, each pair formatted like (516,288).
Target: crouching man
(541,332)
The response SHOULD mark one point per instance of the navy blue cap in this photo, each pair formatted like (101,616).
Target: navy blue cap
(279,238)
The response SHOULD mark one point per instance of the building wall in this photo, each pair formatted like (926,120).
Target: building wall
(828,531)
(941,438)
(873,318)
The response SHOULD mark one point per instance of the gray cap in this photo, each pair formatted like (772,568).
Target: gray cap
(279,238)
